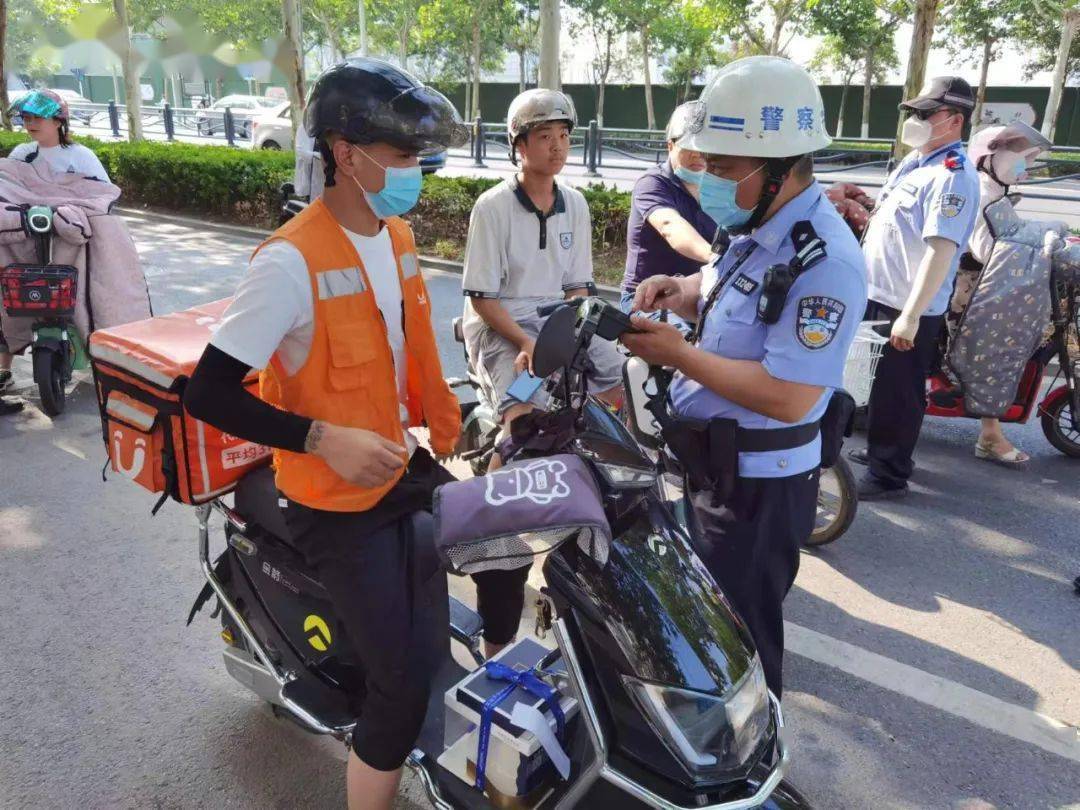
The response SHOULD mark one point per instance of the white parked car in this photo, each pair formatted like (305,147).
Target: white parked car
(212,119)
(273,129)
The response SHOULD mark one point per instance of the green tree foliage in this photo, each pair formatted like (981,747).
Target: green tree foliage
(465,38)
(644,19)
(694,35)
(605,33)
(976,31)
(522,36)
(396,28)
(861,34)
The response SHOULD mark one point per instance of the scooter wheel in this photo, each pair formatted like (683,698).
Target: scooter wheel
(1058,427)
(49,376)
(837,503)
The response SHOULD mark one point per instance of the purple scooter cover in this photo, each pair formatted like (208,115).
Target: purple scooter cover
(503,519)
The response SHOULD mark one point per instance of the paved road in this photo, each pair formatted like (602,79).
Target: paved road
(933,650)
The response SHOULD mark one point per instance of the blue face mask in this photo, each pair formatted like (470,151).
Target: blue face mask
(400,191)
(718,200)
(689,175)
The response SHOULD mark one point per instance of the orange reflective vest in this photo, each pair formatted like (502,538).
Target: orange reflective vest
(349,377)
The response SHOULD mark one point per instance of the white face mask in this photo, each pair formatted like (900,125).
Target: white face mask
(917,133)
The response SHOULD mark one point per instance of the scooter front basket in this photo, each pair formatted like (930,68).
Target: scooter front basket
(39,290)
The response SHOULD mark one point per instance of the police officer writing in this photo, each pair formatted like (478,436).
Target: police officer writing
(926,210)
(776,314)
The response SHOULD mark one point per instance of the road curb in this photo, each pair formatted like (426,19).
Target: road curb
(427,262)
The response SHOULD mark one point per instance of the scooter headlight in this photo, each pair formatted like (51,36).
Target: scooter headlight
(710,735)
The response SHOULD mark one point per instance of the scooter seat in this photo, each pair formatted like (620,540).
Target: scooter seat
(257,502)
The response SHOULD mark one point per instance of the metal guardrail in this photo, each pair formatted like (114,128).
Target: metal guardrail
(188,123)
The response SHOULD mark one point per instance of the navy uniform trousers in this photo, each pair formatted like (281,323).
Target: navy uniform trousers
(751,547)
(898,399)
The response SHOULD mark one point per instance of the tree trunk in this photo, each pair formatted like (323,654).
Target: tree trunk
(5,113)
(361,13)
(604,78)
(468,90)
(295,73)
(921,36)
(521,68)
(843,103)
(868,86)
(550,28)
(132,92)
(403,47)
(1057,84)
(650,113)
(332,39)
(476,65)
(980,96)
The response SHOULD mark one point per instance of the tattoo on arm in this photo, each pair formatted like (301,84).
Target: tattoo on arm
(314,436)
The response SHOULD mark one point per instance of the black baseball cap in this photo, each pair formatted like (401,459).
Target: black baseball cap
(944,91)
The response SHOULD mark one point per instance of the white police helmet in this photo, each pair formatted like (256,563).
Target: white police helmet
(761,106)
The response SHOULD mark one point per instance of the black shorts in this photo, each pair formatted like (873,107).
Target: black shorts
(390,596)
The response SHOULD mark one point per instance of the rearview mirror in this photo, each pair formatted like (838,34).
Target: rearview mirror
(556,343)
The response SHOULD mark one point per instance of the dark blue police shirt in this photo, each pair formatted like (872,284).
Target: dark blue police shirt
(647,253)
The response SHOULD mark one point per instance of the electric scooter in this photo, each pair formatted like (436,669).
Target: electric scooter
(47,293)
(674,711)
(1059,410)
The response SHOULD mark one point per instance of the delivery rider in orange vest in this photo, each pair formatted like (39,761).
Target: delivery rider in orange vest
(334,310)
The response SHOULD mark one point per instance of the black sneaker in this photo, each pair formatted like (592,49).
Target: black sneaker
(6,380)
(859,456)
(874,489)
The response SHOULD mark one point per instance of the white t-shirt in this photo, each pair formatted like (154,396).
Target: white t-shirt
(509,257)
(273,310)
(309,176)
(74,159)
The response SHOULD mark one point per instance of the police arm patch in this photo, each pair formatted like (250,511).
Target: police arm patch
(818,320)
(952,205)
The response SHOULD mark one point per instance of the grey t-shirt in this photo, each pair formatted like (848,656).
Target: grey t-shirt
(523,260)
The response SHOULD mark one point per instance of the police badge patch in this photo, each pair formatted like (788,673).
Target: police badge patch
(566,240)
(818,320)
(952,204)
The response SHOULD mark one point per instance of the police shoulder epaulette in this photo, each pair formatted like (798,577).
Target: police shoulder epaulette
(954,161)
(809,247)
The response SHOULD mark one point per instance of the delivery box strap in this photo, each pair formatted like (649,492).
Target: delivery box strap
(531,683)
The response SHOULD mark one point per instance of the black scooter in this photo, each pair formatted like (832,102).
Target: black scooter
(674,708)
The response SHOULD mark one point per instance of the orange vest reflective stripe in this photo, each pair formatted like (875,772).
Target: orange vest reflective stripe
(348,378)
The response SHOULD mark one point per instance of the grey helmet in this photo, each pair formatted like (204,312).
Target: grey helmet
(535,107)
(681,120)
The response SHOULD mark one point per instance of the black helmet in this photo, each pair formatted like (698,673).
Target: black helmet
(368,100)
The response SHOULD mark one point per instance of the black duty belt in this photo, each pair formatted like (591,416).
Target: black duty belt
(767,440)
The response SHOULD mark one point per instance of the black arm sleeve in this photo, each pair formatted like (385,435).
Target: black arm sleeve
(216,395)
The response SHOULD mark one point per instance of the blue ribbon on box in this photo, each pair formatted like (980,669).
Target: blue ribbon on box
(531,683)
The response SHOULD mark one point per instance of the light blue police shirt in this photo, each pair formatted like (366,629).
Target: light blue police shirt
(925,196)
(807,345)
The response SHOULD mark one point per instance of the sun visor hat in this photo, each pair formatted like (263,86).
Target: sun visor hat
(42,104)
(368,100)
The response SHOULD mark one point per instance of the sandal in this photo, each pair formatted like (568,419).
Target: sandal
(1014,459)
